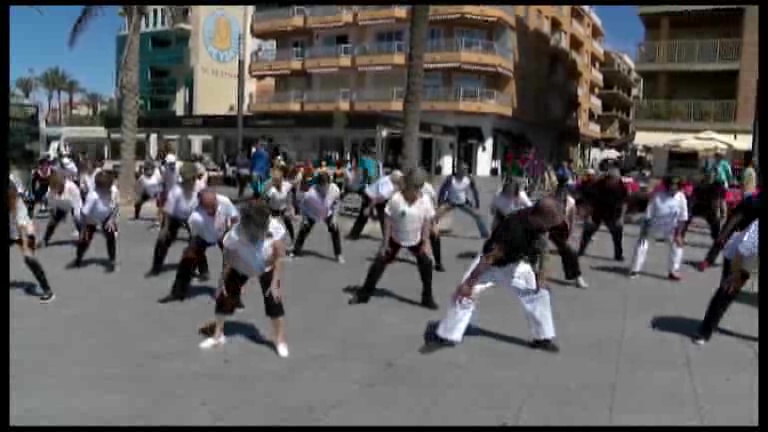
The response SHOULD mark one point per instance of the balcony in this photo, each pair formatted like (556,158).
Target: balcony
(276,62)
(616,96)
(473,13)
(615,114)
(328,58)
(688,114)
(593,128)
(597,47)
(468,53)
(596,103)
(690,55)
(180,19)
(329,16)
(467,100)
(333,100)
(272,21)
(284,102)
(559,39)
(379,99)
(380,55)
(382,14)
(597,76)
(578,27)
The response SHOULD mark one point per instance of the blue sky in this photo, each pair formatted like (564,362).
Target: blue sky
(40,41)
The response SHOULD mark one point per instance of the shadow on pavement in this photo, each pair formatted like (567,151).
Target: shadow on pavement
(103,262)
(385,293)
(56,243)
(620,270)
(737,335)
(399,259)
(674,324)
(248,331)
(29,288)
(747,298)
(310,253)
(472,331)
(599,258)
(467,255)
(200,291)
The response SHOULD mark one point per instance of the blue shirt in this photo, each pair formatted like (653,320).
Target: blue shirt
(260,162)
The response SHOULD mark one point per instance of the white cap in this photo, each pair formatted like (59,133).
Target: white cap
(396,173)
(170,159)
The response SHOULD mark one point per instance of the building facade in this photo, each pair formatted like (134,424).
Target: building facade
(621,91)
(498,74)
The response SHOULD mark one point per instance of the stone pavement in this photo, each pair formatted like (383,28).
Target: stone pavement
(104,352)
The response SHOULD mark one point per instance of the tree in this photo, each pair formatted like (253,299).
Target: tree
(26,85)
(61,86)
(72,88)
(94,101)
(49,82)
(415,80)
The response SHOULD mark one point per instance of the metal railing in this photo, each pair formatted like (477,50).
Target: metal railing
(278,13)
(688,111)
(341,95)
(293,96)
(327,11)
(467,94)
(618,91)
(382,7)
(616,113)
(381,48)
(344,50)
(285,54)
(578,27)
(690,51)
(465,44)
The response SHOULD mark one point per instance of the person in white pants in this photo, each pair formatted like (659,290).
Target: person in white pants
(508,260)
(665,218)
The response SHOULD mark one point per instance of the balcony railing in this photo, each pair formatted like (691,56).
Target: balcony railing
(285,54)
(329,51)
(559,39)
(594,127)
(294,96)
(381,48)
(576,26)
(688,111)
(327,11)
(381,7)
(596,101)
(278,13)
(700,51)
(380,94)
(466,94)
(467,45)
(597,74)
(598,47)
(330,96)
(618,91)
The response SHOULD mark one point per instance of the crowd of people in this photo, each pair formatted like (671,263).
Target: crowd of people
(257,234)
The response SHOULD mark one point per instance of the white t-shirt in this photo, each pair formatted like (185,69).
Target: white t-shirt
(382,189)
(251,259)
(506,206)
(179,205)
(429,192)
(279,199)
(150,185)
(212,228)
(69,199)
(458,190)
(409,219)
(353,179)
(317,207)
(665,212)
(746,243)
(170,177)
(88,181)
(20,219)
(98,208)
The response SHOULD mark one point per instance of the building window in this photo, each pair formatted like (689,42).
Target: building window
(146,22)
(162,17)
(154,18)
(389,36)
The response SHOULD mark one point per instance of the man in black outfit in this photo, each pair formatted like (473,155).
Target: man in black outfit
(705,203)
(607,198)
(740,218)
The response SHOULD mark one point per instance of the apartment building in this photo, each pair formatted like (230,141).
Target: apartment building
(700,67)
(494,75)
(620,93)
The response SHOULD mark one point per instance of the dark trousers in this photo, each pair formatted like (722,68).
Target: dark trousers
(86,237)
(570,260)
(38,197)
(362,217)
(380,263)
(242,182)
(168,234)
(434,242)
(306,228)
(712,220)
(615,227)
(34,266)
(283,215)
(139,204)
(230,298)
(56,218)
(719,304)
(192,258)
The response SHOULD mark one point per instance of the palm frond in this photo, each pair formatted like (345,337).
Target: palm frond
(81,23)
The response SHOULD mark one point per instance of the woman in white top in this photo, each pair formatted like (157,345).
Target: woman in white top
(252,249)
(510,199)
(63,198)
(320,204)
(22,234)
(209,222)
(99,211)
(180,202)
(375,198)
(148,187)
(741,260)
(88,177)
(170,176)
(408,223)
(454,194)
(279,197)
(665,218)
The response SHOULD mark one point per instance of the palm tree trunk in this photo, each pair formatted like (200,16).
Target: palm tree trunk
(71,103)
(48,113)
(414,85)
(129,92)
(58,98)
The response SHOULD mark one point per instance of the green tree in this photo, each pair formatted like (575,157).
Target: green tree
(26,85)
(415,82)
(49,81)
(72,87)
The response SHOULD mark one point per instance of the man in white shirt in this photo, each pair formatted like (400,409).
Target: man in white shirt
(408,224)
(320,203)
(100,210)
(170,175)
(148,187)
(434,233)
(454,194)
(63,198)
(279,197)
(179,204)
(741,260)
(375,197)
(211,220)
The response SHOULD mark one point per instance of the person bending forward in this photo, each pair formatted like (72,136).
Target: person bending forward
(63,198)
(320,203)
(100,211)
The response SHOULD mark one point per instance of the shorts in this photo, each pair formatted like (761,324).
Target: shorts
(229,298)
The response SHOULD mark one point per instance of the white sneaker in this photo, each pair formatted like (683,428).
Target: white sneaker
(282,350)
(581,283)
(212,342)
(340,259)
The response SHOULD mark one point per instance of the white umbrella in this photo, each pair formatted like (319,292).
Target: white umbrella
(705,141)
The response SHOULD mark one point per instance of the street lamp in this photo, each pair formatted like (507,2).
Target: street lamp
(241,38)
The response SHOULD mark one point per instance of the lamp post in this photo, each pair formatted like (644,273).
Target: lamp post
(241,77)
(755,144)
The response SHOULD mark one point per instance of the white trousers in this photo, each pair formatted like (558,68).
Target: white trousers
(519,279)
(674,260)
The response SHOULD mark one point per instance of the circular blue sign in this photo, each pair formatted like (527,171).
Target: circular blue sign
(220,36)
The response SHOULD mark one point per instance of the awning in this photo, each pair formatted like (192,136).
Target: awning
(656,139)
(738,142)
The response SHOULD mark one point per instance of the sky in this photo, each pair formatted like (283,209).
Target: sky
(38,42)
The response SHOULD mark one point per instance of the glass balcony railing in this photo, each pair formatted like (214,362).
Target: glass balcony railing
(328,96)
(393,94)
(381,48)
(467,94)
(286,54)
(278,13)
(295,96)
(344,50)
(687,111)
(467,45)
(701,51)
(327,11)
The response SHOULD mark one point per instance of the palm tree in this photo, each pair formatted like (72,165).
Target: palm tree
(72,87)
(128,82)
(413,90)
(93,100)
(61,87)
(26,85)
(49,82)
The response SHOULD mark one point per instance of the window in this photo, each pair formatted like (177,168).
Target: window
(162,17)
(389,36)
(154,18)
(298,46)
(146,22)
(435,33)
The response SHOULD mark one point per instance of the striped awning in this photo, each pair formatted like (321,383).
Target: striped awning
(656,139)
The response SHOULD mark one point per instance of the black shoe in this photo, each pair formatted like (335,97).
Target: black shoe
(544,345)
(111,267)
(74,265)
(47,297)
(239,305)
(152,273)
(439,268)
(359,298)
(170,298)
(619,258)
(429,303)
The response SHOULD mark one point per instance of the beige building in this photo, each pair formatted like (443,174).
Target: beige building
(622,90)
(499,74)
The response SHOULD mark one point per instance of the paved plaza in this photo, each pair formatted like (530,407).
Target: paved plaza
(105,352)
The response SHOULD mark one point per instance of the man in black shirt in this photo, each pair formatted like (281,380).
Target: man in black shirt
(607,199)
(704,203)
(740,218)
